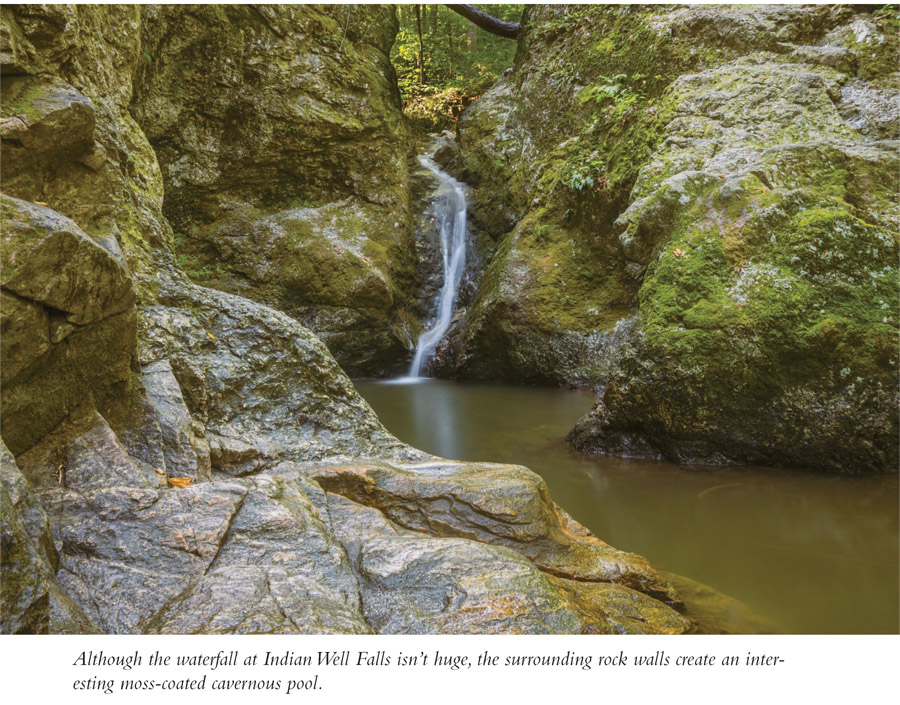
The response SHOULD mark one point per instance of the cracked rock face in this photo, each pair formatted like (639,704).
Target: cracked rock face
(68,320)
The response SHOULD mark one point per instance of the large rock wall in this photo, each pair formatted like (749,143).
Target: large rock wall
(284,156)
(179,459)
(696,212)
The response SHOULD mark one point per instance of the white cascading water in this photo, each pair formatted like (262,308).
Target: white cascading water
(450,212)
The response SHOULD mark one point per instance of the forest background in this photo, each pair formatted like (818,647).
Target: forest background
(444,62)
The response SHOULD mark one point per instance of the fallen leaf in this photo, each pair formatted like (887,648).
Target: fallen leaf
(366,260)
(40,203)
(721,176)
(179,481)
(211,336)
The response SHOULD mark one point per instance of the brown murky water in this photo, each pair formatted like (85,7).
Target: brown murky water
(815,553)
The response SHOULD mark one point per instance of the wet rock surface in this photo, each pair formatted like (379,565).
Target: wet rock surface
(413,583)
(256,600)
(26,568)
(503,505)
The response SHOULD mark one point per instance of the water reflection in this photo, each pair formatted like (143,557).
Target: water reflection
(813,552)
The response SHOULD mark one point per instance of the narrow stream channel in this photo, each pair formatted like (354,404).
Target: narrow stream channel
(815,553)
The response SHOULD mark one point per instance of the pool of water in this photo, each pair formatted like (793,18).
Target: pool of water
(813,552)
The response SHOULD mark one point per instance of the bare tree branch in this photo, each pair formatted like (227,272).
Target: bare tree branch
(489,23)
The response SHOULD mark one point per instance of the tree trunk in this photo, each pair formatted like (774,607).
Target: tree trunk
(489,23)
(450,41)
(421,45)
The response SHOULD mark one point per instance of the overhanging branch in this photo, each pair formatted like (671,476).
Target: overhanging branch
(489,23)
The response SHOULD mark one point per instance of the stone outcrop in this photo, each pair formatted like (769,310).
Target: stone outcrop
(188,460)
(68,320)
(284,156)
(695,212)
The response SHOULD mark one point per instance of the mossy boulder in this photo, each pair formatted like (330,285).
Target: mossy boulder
(342,269)
(706,229)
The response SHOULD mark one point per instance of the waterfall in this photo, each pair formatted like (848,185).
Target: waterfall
(450,212)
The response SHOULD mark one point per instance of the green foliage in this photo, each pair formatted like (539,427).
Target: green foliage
(585,171)
(616,92)
(565,75)
(432,107)
(193,267)
(579,180)
(571,20)
(460,60)
(610,89)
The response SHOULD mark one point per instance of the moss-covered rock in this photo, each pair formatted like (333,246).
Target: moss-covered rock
(283,151)
(324,266)
(68,321)
(706,214)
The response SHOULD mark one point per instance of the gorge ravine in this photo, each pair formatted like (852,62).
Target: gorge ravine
(228,195)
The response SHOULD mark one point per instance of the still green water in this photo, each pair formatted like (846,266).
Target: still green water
(815,553)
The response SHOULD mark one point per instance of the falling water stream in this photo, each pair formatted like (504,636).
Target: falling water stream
(450,213)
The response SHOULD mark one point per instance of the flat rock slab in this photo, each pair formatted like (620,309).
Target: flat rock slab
(502,505)
(412,583)
(171,560)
